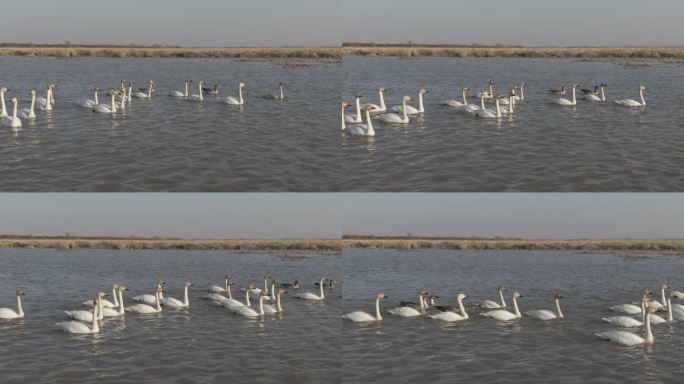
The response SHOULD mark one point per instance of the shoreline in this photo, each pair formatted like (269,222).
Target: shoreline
(66,243)
(337,53)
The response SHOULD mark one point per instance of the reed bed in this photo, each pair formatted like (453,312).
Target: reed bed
(65,243)
(336,53)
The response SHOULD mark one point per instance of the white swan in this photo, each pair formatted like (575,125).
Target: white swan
(175,303)
(111,108)
(145,308)
(29,113)
(410,310)
(503,315)
(488,113)
(184,94)
(218,289)
(491,304)
(394,118)
(412,110)
(13,122)
(358,118)
(106,303)
(452,316)
(45,103)
(521,97)
(662,304)
(511,94)
(86,316)
(120,311)
(77,327)
(239,100)
(631,309)
(565,102)
(630,339)
(3,112)
(198,96)
(147,94)
(598,95)
(358,129)
(364,317)
(459,104)
(280,95)
(510,109)
(375,108)
(545,314)
(92,103)
(321,295)
(248,312)
(273,309)
(226,301)
(487,94)
(151,299)
(9,314)
(634,103)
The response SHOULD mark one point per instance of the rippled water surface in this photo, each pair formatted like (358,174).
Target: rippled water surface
(169,144)
(203,344)
(545,147)
(482,350)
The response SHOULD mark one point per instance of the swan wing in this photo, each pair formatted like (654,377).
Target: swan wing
(6,313)
(621,337)
(628,103)
(141,308)
(80,315)
(245,311)
(110,312)
(75,327)
(404,312)
(563,102)
(171,302)
(391,118)
(359,317)
(623,321)
(489,304)
(308,296)
(359,130)
(454,103)
(217,289)
(542,314)
(178,94)
(146,299)
(629,309)
(232,101)
(447,316)
(500,315)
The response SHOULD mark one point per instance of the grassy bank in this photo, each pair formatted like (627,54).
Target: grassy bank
(339,244)
(336,53)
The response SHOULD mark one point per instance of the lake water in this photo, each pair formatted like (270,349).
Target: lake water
(593,147)
(171,145)
(525,351)
(168,144)
(202,344)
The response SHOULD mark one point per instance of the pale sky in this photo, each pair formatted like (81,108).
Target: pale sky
(285,215)
(329,22)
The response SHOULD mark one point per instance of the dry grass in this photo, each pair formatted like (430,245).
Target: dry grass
(339,244)
(336,53)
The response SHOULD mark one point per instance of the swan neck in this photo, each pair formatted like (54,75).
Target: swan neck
(121,303)
(149,91)
(503,300)
(462,308)
(115,295)
(465,99)
(186,302)
(261,305)
(559,313)
(282,94)
(378,317)
(344,123)
(404,109)
(241,102)
(498,108)
(382,101)
(96,306)
(522,92)
(662,297)
(370,128)
(649,334)
(266,285)
(201,92)
(574,96)
(230,295)
(20,308)
(186,89)
(421,108)
(669,311)
(641,94)
(113,103)
(280,308)
(100,314)
(358,110)
(2,99)
(371,132)
(273,294)
(422,303)
(157,298)
(247,303)
(515,308)
(15,109)
(603,93)
(482,102)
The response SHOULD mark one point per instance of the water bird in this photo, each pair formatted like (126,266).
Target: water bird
(198,96)
(545,314)
(358,129)
(412,110)
(9,314)
(239,100)
(565,102)
(487,94)
(504,315)
(278,96)
(364,317)
(375,108)
(141,308)
(92,103)
(212,91)
(634,103)
(152,299)
(186,93)
(408,309)
(630,339)
(491,304)
(3,112)
(356,119)
(145,93)
(175,303)
(395,118)
(450,314)
(321,295)
(13,122)
(77,327)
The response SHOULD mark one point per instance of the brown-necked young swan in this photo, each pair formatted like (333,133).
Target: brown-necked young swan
(451,315)
(630,339)
(503,315)
(9,314)
(545,314)
(364,317)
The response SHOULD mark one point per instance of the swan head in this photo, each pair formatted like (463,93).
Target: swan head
(52,86)
(14,100)
(115,286)
(32,93)
(4,90)
(21,293)
(122,288)
(243,85)
(432,300)
(642,88)
(461,296)
(651,310)
(188,81)
(367,109)
(557,296)
(188,284)
(423,91)
(563,88)
(575,85)
(491,82)
(523,83)
(358,95)
(501,288)
(250,287)
(345,104)
(406,98)
(381,295)
(465,89)
(101,294)
(97,89)
(295,284)
(381,89)
(516,295)
(280,84)
(664,286)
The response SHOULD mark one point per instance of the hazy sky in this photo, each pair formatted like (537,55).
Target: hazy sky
(329,22)
(330,215)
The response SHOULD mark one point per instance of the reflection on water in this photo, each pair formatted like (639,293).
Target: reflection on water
(483,350)
(204,343)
